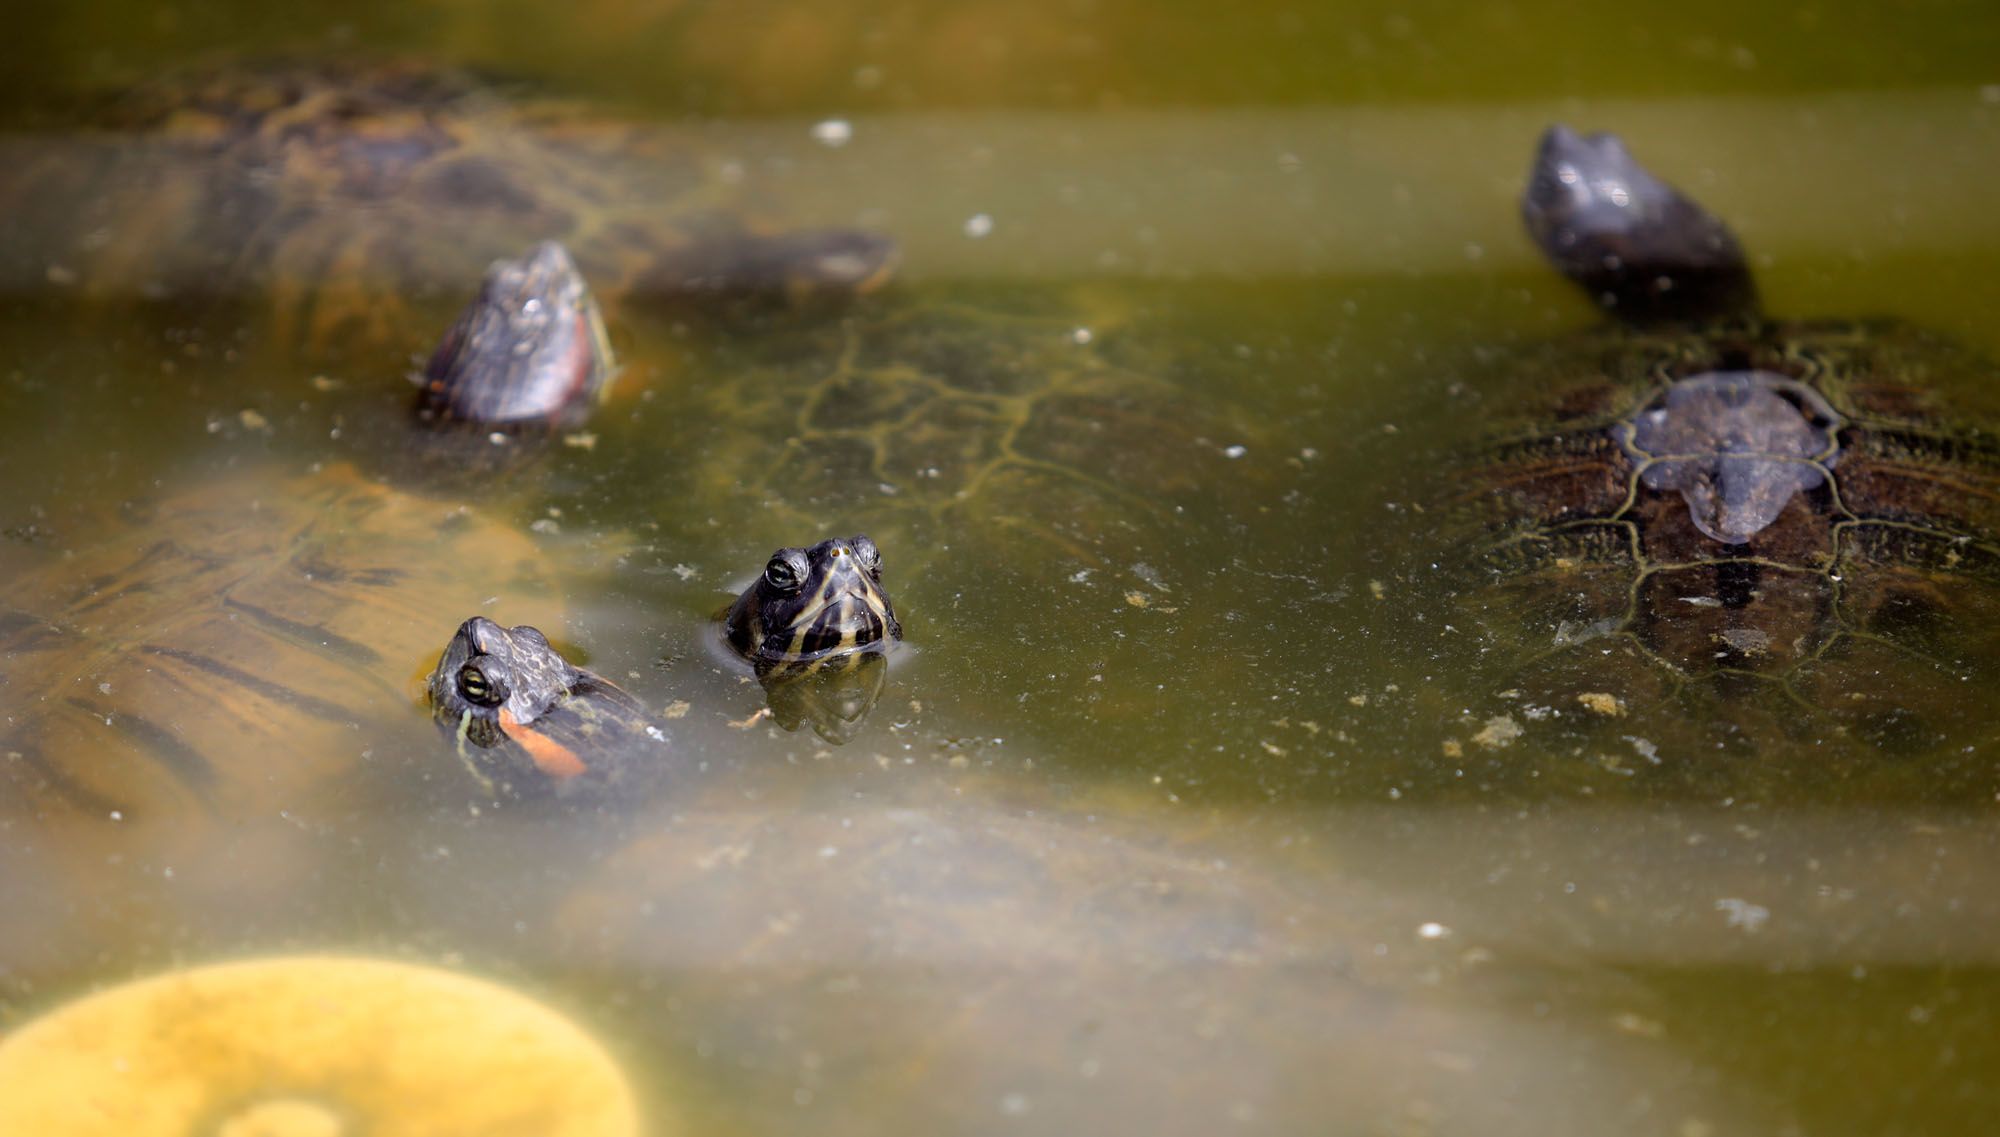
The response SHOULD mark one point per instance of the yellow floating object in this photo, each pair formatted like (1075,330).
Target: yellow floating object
(310,1046)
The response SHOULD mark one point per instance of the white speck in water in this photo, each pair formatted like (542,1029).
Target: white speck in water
(833,133)
(1743,914)
(978,225)
(827,851)
(656,734)
(1432,930)
(1235,451)
(117,815)
(104,688)
(1015,1105)
(1081,335)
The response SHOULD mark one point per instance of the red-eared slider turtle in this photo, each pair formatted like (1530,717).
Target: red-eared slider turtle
(1058,484)
(812,605)
(233,647)
(815,625)
(346,191)
(954,943)
(1767,528)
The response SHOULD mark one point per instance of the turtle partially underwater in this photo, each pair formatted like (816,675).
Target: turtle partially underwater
(816,626)
(230,650)
(347,191)
(1060,482)
(944,944)
(1764,528)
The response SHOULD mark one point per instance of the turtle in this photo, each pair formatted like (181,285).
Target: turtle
(814,604)
(538,723)
(1038,461)
(950,942)
(347,191)
(236,647)
(1703,525)
(816,626)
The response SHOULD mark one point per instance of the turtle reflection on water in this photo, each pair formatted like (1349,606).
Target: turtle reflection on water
(346,191)
(1803,517)
(226,655)
(817,626)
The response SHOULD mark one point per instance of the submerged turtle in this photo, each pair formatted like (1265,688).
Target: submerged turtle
(1058,489)
(945,942)
(239,644)
(346,191)
(1801,518)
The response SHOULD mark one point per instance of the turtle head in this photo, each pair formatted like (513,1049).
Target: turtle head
(814,603)
(1642,249)
(492,679)
(530,350)
(540,722)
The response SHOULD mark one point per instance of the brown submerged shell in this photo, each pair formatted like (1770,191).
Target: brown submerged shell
(241,645)
(346,192)
(1860,579)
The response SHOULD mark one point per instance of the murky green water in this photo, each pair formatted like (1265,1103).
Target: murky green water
(1184,808)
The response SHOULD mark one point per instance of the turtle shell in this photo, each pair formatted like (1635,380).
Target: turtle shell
(956,952)
(1803,519)
(1030,466)
(346,192)
(226,650)
(242,644)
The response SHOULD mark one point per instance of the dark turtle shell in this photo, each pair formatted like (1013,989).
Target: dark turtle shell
(347,191)
(1803,517)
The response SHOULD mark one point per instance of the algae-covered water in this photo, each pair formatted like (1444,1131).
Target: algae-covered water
(1199,798)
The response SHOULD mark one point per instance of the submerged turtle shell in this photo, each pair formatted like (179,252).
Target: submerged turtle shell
(960,951)
(1053,482)
(241,645)
(943,935)
(225,651)
(346,192)
(1810,511)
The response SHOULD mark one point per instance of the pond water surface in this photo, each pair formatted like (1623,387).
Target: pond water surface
(1194,802)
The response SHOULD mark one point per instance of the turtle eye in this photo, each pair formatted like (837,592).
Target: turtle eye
(865,552)
(478,688)
(780,574)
